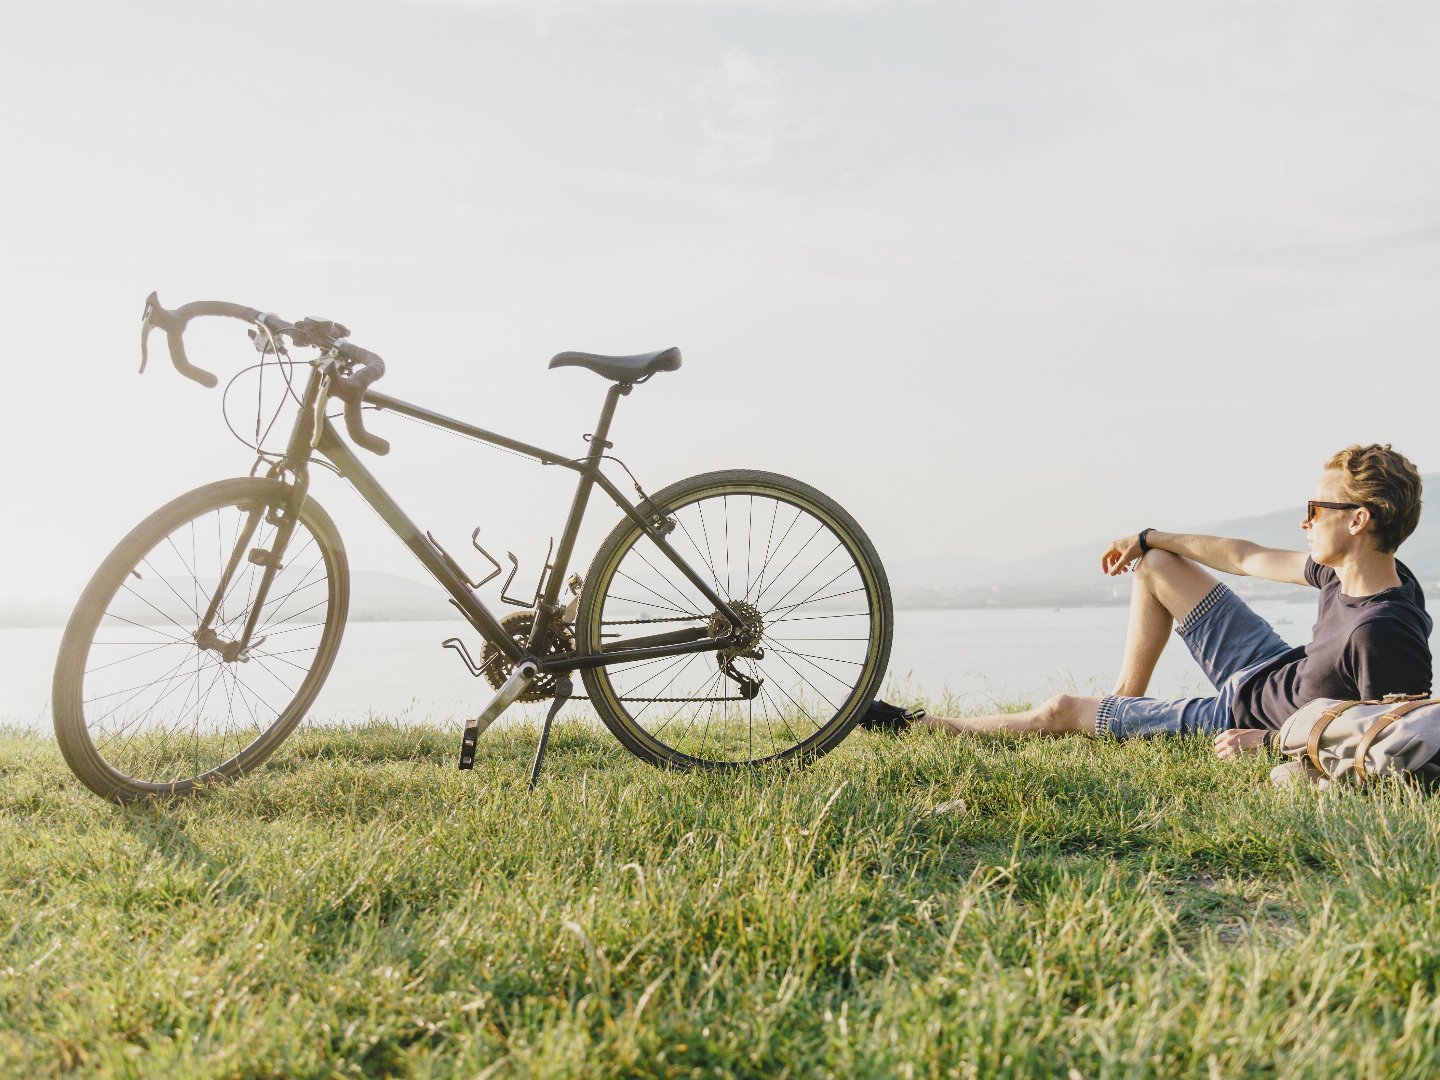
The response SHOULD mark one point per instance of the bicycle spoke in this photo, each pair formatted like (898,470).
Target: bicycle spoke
(684,603)
(806,681)
(725,516)
(266,668)
(704,693)
(685,616)
(780,712)
(169,620)
(147,629)
(843,571)
(708,564)
(260,699)
(819,600)
(157,708)
(813,618)
(269,633)
(684,610)
(789,563)
(278,603)
(826,639)
(674,660)
(277,656)
(133,656)
(240,690)
(749,535)
(774,564)
(666,687)
(166,582)
(812,657)
(769,554)
(140,688)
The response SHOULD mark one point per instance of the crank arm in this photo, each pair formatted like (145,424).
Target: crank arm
(518,682)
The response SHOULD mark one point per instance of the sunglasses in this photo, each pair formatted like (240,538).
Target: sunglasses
(1316,504)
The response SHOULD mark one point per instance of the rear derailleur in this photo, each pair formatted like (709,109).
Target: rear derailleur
(746,644)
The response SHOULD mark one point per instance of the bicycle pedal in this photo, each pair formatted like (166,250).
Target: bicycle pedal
(467,744)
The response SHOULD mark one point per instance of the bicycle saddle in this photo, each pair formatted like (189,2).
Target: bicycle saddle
(630,369)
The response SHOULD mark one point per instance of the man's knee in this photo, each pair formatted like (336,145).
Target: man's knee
(1157,563)
(1176,582)
(1066,714)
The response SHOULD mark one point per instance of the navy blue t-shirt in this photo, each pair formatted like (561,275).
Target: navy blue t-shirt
(1362,648)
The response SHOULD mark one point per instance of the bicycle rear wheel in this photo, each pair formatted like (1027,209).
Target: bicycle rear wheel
(150,702)
(810,588)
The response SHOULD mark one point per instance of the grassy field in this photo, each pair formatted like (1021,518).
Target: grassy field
(919,906)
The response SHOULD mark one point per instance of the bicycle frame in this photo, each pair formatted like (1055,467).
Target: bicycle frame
(314,431)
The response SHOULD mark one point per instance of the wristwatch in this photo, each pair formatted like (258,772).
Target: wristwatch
(1144,547)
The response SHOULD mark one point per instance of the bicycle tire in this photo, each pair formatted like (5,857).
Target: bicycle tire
(808,698)
(135,627)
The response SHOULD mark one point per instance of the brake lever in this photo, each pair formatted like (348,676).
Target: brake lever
(174,322)
(145,327)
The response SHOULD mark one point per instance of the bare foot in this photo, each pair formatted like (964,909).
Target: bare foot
(1239,742)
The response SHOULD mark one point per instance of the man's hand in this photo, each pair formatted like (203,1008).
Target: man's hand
(1120,556)
(1238,742)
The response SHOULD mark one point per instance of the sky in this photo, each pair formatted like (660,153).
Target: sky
(1000,277)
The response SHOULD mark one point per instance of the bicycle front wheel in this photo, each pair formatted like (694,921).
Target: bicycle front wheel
(154,694)
(804,579)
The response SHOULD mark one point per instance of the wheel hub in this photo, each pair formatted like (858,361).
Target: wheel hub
(747,637)
(230,651)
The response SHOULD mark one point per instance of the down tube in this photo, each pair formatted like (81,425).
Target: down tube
(410,535)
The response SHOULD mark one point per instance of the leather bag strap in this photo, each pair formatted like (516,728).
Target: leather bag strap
(1323,721)
(1368,739)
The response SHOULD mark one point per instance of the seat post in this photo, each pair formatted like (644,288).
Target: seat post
(598,443)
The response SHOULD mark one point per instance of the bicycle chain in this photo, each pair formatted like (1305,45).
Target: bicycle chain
(663,700)
(642,622)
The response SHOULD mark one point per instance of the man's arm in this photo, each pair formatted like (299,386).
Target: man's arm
(1221,553)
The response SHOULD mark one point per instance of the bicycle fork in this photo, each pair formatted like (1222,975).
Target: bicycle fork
(283,517)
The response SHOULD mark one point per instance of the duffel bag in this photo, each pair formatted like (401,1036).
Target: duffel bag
(1331,740)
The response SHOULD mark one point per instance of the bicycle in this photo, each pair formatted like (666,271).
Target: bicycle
(204,637)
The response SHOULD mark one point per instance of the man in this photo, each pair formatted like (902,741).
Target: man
(1371,636)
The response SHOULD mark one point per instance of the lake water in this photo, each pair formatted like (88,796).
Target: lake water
(398,670)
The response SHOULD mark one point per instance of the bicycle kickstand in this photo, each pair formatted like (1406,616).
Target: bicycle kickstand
(563,689)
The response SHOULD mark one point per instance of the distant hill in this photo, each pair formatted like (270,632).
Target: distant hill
(379,597)
(1070,576)
(1067,577)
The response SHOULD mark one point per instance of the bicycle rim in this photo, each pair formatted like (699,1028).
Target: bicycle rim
(150,698)
(805,580)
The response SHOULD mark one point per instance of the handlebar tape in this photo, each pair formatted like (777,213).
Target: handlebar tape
(174,323)
(352,389)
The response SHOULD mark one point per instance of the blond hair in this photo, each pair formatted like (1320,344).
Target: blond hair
(1385,483)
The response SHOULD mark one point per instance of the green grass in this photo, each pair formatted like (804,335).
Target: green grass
(360,907)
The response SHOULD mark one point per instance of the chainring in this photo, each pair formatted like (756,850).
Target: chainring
(498,666)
